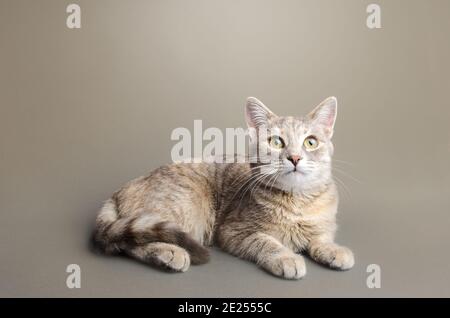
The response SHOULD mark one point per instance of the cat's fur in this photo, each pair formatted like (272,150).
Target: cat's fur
(265,213)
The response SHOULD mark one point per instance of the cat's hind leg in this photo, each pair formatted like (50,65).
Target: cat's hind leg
(164,255)
(145,229)
(149,238)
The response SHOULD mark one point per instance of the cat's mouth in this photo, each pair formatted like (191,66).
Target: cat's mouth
(299,171)
(295,171)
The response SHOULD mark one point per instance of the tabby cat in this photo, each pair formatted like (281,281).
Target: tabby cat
(267,212)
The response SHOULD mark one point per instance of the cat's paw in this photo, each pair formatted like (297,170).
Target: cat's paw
(335,256)
(343,258)
(174,258)
(288,266)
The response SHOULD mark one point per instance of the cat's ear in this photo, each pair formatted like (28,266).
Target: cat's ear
(256,113)
(324,115)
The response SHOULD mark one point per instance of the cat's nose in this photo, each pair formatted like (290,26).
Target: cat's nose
(294,159)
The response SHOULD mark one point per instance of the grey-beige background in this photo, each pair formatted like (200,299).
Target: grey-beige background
(83,111)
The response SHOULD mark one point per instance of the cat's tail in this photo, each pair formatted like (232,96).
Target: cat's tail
(114,234)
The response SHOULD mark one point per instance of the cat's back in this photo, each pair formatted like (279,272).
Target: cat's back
(167,186)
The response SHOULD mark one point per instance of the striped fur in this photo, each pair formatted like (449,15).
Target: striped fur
(169,217)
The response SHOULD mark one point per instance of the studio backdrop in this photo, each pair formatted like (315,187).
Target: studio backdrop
(92,91)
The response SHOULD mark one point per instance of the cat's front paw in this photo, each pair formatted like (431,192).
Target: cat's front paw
(286,266)
(335,256)
(343,259)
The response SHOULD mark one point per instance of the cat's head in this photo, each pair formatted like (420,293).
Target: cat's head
(293,152)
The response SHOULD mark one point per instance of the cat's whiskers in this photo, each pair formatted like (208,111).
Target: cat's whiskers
(342,161)
(252,185)
(251,171)
(346,174)
(276,173)
(259,179)
(258,183)
(274,180)
(343,185)
(262,181)
(248,182)
(245,175)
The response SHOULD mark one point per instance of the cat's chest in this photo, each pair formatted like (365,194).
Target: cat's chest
(295,230)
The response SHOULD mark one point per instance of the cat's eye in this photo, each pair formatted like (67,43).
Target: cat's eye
(276,142)
(311,143)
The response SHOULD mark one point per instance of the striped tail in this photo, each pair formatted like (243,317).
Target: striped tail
(114,234)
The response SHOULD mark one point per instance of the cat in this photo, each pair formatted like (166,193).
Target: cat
(269,212)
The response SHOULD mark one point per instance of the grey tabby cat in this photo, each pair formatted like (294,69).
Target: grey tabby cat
(265,212)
